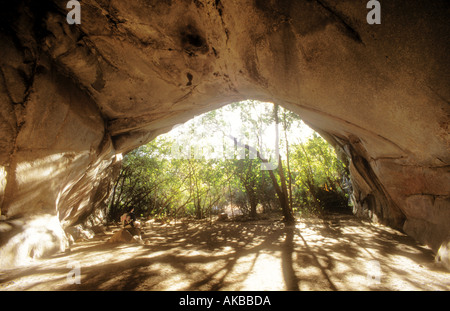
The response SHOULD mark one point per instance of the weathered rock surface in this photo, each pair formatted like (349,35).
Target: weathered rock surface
(73,97)
(443,255)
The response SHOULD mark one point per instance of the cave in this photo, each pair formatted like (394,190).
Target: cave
(76,97)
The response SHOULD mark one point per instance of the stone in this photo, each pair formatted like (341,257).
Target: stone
(222,217)
(79,233)
(443,255)
(121,236)
(74,98)
(30,238)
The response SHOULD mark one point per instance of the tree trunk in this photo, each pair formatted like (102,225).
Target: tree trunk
(284,199)
(287,212)
(283,195)
(252,199)
(287,161)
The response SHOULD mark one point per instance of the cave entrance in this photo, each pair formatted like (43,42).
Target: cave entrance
(193,191)
(243,160)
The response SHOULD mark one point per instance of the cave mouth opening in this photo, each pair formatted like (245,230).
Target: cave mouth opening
(243,160)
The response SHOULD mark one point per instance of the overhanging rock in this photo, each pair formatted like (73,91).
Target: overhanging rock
(74,96)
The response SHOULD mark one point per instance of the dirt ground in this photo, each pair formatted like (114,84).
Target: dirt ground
(337,253)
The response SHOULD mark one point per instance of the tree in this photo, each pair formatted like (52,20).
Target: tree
(176,176)
(319,174)
(148,182)
(279,185)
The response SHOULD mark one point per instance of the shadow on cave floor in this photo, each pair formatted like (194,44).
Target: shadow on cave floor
(338,252)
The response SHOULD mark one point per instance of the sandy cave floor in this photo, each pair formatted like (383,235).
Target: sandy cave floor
(339,252)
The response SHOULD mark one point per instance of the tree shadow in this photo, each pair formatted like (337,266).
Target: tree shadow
(181,247)
(290,278)
(316,262)
(223,255)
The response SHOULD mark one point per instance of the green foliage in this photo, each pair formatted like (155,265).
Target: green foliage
(158,182)
(147,182)
(318,175)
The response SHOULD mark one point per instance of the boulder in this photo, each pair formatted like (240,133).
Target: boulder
(121,236)
(443,255)
(126,235)
(80,233)
(222,217)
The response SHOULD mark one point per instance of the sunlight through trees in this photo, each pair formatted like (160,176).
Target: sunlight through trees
(243,159)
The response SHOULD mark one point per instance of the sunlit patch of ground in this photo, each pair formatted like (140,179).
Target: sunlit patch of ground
(339,252)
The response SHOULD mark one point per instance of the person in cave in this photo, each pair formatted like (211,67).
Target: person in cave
(128,221)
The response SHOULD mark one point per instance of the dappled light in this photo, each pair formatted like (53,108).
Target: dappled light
(181,218)
(224,145)
(333,253)
(248,155)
